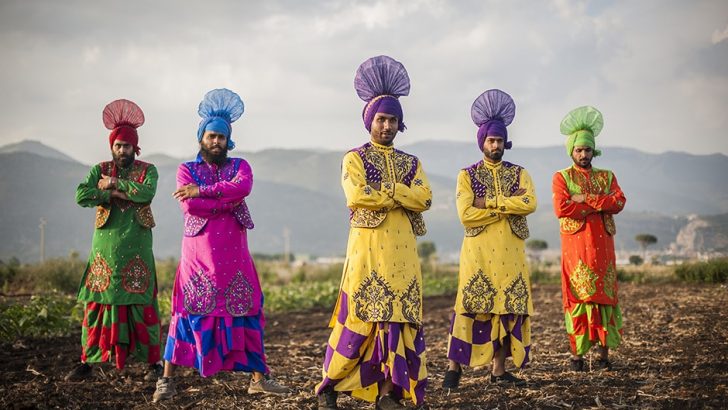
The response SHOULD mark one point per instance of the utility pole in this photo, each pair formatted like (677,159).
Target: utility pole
(286,245)
(42,239)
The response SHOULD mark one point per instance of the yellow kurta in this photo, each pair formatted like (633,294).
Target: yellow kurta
(494,275)
(382,274)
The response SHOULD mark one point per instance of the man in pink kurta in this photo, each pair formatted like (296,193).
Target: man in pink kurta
(217,305)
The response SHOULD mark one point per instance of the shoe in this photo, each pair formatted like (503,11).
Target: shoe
(452,379)
(165,389)
(154,372)
(507,378)
(81,372)
(267,385)
(388,403)
(577,365)
(327,399)
(604,364)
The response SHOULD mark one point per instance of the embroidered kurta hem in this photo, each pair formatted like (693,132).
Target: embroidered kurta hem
(216,281)
(588,263)
(119,284)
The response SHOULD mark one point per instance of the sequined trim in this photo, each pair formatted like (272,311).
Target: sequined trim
(570,225)
(135,276)
(102,216)
(610,281)
(242,215)
(199,294)
(239,296)
(479,294)
(145,217)
(609,224)
(474,231)
(517,296)
(412,302)
(194,224)
(367,218)
(373,299)
(417,222)
(98,276)
(583,281)
(405,167)
(519,226)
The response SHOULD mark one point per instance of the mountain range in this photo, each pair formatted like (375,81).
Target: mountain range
(299,190)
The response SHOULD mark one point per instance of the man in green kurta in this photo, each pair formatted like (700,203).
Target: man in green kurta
(119,285)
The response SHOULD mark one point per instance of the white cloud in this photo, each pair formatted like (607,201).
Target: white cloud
(719,36)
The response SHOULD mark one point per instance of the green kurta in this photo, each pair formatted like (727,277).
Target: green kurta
(120,269)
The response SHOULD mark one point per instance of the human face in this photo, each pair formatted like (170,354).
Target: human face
(123,153)
(384,128)
(213,147)
(582,156)
(493,147)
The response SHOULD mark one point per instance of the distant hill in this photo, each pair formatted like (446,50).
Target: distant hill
(300,190)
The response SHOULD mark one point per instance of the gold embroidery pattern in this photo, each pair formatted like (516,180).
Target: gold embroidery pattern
(583,281)
(510,178)
(519,226)
(597,181)
(404,166)
(145,217)
(479,294)
(411,302)
(570,225)
(102,215)
(517,296)
(367,218)
(475,231)
(135,276)
(610,281)
(199,294)
(378,161)
(485,178)
(373,300)
(99,274)
(609,224)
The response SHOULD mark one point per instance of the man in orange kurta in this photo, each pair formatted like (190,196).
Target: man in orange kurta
(585,200)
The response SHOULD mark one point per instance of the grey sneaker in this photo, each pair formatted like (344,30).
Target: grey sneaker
(81,372)
(154,372)
(267,385)
(165,389)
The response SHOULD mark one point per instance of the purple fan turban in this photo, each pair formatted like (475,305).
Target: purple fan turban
(492,112)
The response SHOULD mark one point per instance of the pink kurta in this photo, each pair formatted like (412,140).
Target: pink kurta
(216,274)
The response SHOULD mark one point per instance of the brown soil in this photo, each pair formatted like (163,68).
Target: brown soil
(674,355)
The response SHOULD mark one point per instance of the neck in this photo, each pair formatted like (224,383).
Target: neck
(492,161)
(379,144)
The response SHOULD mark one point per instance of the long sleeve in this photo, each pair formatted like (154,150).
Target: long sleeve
(202,207)
(356,189)
(564,207)
(87,194)
(469,215)
(416,197)
(522,204)
(140,192)
(611,203)
(231,191)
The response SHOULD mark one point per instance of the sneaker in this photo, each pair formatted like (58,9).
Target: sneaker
(165,389)
(452,379)
(327,399)
(577,365)
(81,372)
(388,403)
(603,364)
(267,385)
(154,372)
(507,378)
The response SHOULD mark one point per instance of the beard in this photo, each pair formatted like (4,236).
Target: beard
(583,163)
(123,161)
(494,156)
(211,157)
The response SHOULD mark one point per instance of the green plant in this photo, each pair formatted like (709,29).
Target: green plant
(40,316)
(712,271)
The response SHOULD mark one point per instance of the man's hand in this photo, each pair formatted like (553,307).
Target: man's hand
(519,192)
(186,192)
(578,198)
(479,202)
(106,182)
(119,195)
(375,185)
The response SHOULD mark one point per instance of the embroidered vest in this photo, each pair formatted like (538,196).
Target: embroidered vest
(143,211)
(203,177)
(375,166)
(598,182)
(509,179)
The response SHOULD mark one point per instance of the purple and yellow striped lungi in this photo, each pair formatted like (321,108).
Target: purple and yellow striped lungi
(474,338)
(361,355)
(211,344)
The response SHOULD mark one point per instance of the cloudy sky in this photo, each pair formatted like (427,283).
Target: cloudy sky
(657,69)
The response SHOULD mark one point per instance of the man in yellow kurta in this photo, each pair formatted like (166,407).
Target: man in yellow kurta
(376,350)
(493,306)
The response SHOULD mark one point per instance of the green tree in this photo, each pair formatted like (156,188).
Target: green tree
(536,246)
(635,260)
(427,250)
(645,240)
